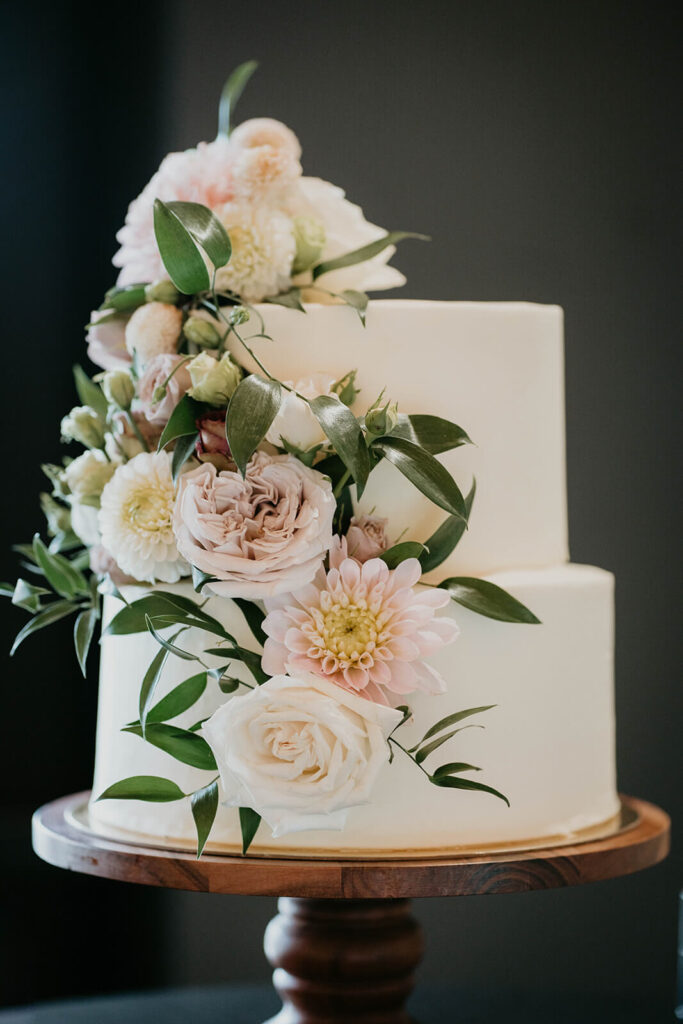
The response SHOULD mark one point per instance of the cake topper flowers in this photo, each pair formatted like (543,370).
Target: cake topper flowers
(199,464)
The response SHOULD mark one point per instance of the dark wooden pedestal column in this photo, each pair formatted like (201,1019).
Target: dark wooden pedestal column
(343,961)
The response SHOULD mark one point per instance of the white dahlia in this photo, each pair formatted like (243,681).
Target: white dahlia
(263,249)
(136,519)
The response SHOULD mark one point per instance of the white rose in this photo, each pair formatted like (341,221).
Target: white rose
(300,752)
(153,329)
(295,422)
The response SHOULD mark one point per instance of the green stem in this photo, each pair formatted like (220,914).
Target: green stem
(136,430)
(400,747)
(342,483)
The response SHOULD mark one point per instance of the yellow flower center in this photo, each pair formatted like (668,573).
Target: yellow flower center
(148,510)
(349,631)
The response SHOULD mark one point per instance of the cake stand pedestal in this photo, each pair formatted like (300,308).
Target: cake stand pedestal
(344,946)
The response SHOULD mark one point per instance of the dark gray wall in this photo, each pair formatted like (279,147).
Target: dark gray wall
(535,141)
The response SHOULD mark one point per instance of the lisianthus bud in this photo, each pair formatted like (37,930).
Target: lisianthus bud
(238,315)
(87,475)
(309,235)
(118,387)
(201,332)
(382,420)
(162,290)
(83,425)
(213,380)
(58,516)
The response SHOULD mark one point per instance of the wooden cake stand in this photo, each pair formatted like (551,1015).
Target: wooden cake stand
(344,945)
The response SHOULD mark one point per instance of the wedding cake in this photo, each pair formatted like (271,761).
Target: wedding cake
(314,641)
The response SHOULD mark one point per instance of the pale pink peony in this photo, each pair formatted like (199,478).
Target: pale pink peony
(263,535)
(201,175)
(107,340)
(366,537)
(266,131)
(362,627)
(156,375)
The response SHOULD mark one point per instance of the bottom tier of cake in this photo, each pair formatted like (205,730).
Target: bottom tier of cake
(548,744)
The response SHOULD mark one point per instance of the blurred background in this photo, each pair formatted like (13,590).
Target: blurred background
(536,142)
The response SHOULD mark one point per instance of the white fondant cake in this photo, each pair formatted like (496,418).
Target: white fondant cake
(549,742)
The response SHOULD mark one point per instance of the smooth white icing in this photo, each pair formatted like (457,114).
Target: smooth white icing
(548,744)
(495,368)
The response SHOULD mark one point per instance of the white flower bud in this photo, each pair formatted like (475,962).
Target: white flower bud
(201,332)
(213,380)
(309,235)
(118,388)
(83,425)
(382,420)
(162,290)
(87,475)
(238,315)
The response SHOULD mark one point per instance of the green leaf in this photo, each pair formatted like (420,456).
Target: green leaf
(204,806)
(206,229)
(254,618)
(346,388)
(444,540)
(453,768)
(181,453)
(178,618)
(132,618)
(167,645)
(84,627)
(25,595)
(232,90)
(343,430)
(55,611)
(228,684)
(89,392)
(424,472)
(60,580)
(393,556)
(248,658)
(454,782)
(143,787)
(149,682)
(357,301)
(181,698)
(290,299)
(366,252)
(179,253)
(453,719)
(121,300)
(181,744)
(183,421)
(432,433)
(424,752)
(200,579)
(485,598)
(252,409)
(343,513)
(249,823)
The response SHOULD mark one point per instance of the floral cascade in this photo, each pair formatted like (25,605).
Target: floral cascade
(195,468)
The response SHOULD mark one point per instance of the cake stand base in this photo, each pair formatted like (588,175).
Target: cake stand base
(344,946)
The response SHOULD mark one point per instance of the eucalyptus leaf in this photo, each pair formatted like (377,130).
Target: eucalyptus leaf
(167,645)
(445,540)
(84,628)
(26,595)
(453,719)
(143,787)
(183,745)
(228,684)
(182,421)
(132,618)
(55,611)
(204,804)
(290,299)
(455,782)
(149,682)
(200,579)
(432,433)
(366,252)
(357,301)
(122,300)
(424,472)
(424,752)
(206,229)
(180,699)
(178,618)
(343,430)
(89,392)
(249,823)
(485,598)
(393,556)
(232,90)
(346,388)
(453,768)
(248,658)
(254,617)
(56,576)
(180,255)
(252,409)
(183,450)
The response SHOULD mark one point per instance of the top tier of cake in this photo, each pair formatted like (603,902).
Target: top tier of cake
(495,368)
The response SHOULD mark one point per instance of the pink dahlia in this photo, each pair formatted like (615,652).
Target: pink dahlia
(363,627)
